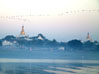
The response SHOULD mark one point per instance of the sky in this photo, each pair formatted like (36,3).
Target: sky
(62,20)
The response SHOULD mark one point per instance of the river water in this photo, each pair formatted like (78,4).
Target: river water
(48,62)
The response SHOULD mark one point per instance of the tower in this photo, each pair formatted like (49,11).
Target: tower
(22,31)
(88,38)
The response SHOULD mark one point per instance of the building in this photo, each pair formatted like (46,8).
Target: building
(6,43)
(22,33)
(88,38)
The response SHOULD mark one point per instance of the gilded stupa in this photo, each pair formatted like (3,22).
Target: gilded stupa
(88,38)
(22,31)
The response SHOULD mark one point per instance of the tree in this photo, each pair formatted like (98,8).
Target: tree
(88,44)
(0,43)
(9,38)
(75,44)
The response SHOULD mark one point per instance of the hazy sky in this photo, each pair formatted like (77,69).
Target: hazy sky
(63,20)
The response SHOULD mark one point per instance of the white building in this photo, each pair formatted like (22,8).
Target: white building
(5,42)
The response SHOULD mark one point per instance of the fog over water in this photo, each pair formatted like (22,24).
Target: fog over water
(45,61)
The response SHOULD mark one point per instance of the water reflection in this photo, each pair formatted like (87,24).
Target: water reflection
(21,69)
(48,62)
(49,68)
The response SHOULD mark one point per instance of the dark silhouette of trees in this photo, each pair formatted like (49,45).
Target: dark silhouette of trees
(0,43)
(75,44)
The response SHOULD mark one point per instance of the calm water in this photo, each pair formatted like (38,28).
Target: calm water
(48,62)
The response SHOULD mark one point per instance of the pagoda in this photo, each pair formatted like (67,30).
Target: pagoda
(88,38)
(22,33)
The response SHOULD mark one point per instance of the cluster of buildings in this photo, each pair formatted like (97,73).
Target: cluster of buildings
(23,34)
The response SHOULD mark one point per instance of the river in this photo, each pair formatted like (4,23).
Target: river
(46,61)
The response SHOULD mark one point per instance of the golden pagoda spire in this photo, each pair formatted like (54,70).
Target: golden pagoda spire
(88,37)
(22,31)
